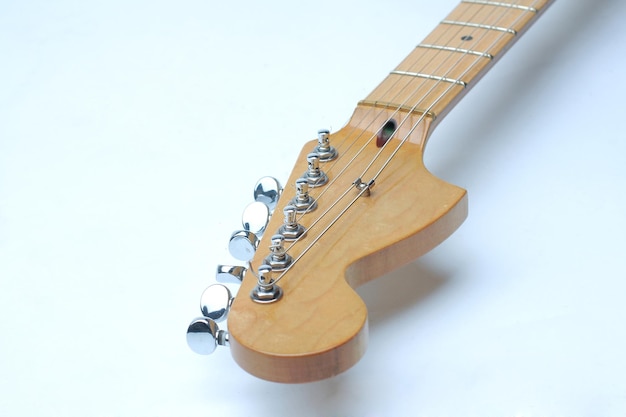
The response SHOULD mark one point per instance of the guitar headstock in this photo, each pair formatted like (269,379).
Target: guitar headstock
(372,208)
(318,326)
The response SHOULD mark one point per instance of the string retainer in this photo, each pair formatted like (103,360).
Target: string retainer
(364,188)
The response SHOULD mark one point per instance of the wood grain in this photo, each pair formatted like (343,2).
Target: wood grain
(319,328)
(440,97)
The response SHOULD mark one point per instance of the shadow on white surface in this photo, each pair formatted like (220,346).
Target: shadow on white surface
(115,204)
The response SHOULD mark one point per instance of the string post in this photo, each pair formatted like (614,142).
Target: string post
(278,259)
(324,150)
(266,290)
(314,175)
(291,229)
(303,202)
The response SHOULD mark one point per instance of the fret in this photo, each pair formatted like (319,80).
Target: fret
(453,49)
(413,92)
(480,25)
(501,4)
(491,16)
(395,106)
(482,40)
(445,65)
(430,77)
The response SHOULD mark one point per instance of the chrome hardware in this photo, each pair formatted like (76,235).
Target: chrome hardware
(268,190)
(291,229)
(500,4)
(323,149)
(404,107)
(430,77)
(314,175)
(230,273)
(215,302)
(453,49)
(303,202)
(243,244)
(479,25)
(364,188)
(278,259)
(255,217)
(266,290)
(204,335)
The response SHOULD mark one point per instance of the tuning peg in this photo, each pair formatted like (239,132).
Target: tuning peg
(204,335)
(255,217)
(243,244)
(215,302)
(314,175)
(268,190)
(230,273)
(323,149)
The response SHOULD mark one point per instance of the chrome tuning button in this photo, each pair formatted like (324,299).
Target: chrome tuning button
(323,149)
(314,175)
(278,259)
(230,273)
(243,245)
(291,229)
(215,302)
(255,217)
(303,202)
(266,290)
(204,335)
(268,190)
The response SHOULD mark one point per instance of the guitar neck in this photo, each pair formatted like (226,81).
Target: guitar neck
(306,323)
(454,56)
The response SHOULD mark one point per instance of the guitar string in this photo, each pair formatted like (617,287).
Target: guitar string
(406,137)
(397,110)
(451,86)
(367,142)
(504,13)
(412,110)
(362,191)
(365,129)
(421,100)
(402,105)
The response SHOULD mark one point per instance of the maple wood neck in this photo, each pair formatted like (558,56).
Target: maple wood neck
(454,56)
(307,323)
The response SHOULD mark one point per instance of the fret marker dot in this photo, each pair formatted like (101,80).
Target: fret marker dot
(467,38)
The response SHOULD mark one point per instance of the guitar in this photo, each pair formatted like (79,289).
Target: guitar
(358,204)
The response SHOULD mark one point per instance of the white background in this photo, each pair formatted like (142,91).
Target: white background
(131,134)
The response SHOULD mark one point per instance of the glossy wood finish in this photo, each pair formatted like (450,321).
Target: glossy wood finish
(319,328)
(419,94)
